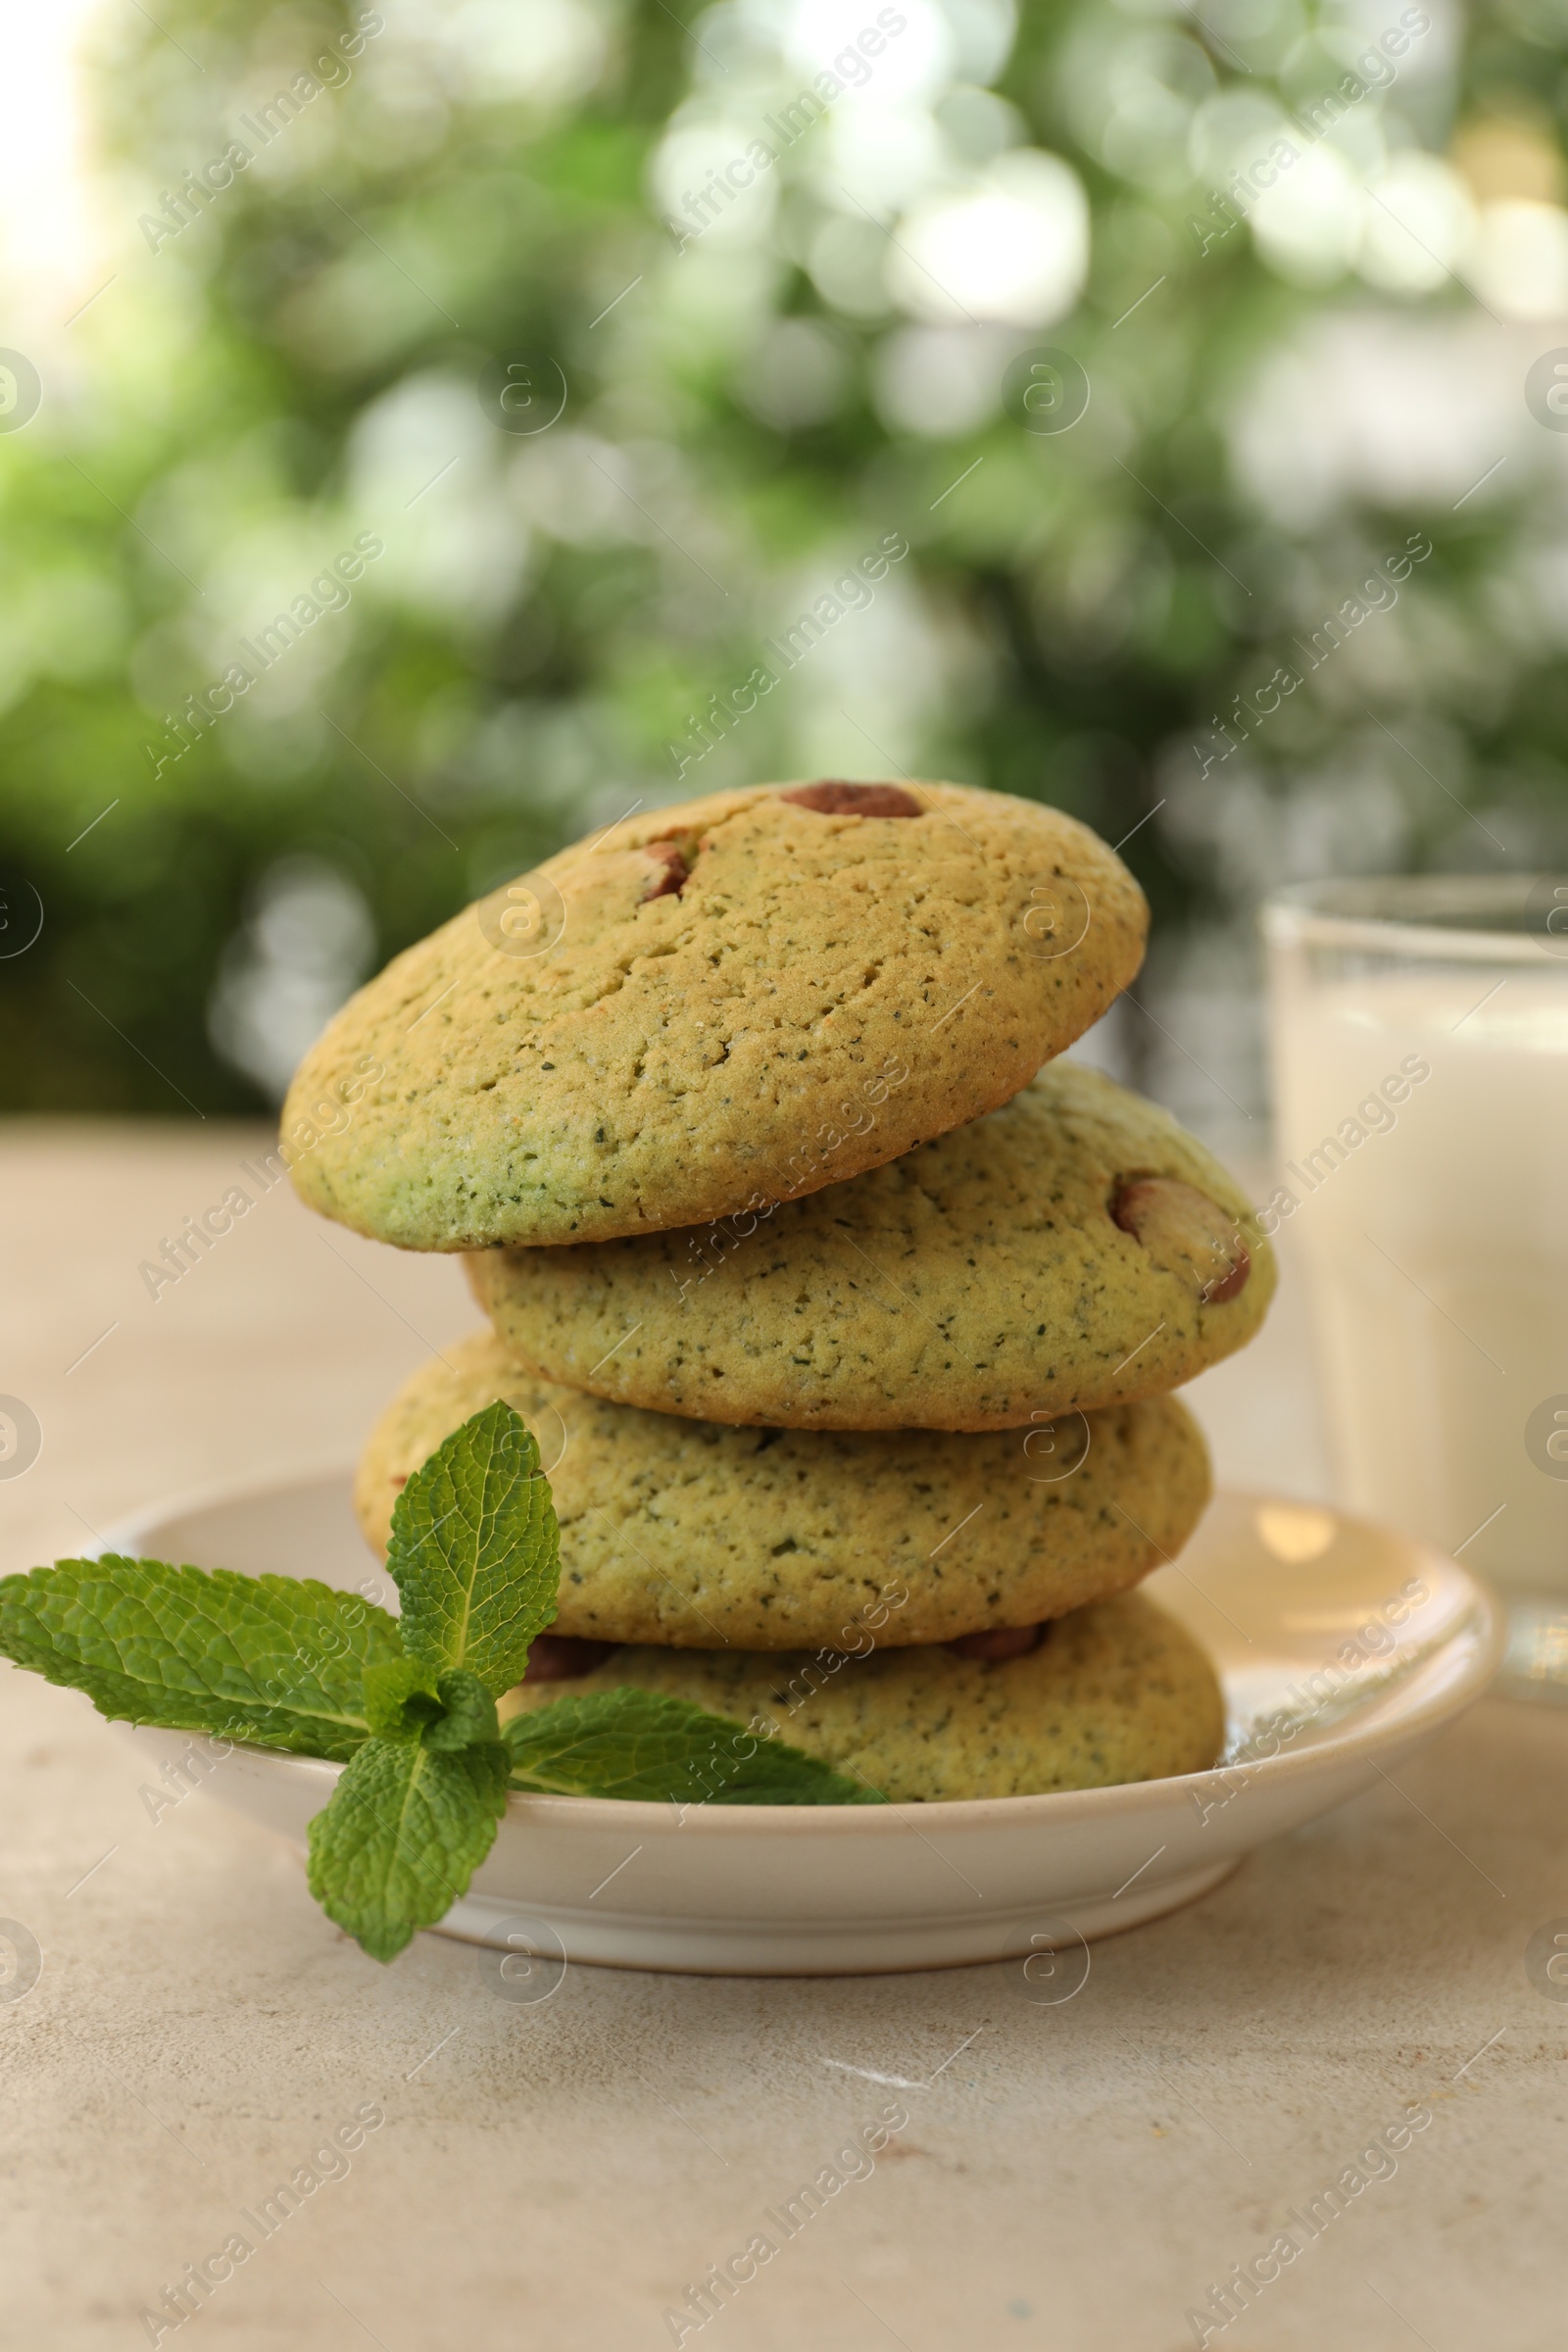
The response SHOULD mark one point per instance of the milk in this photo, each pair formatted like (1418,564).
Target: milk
(1436,1246)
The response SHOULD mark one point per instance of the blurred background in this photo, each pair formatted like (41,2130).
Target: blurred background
(418,427)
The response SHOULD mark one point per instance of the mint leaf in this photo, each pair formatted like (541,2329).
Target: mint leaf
(409,1700)
(475,1551)
(405,1831)
(268,1659)
(400,1698)
(643,1744)
(469,1714)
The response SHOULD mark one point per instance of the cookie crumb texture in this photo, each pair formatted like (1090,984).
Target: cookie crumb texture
(742,998)
(1117,1692)
(985,1278)
(695,1535)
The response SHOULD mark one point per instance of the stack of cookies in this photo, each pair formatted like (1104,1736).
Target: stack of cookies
(845,1316)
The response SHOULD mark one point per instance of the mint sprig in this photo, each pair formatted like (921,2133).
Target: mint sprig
(407,1703)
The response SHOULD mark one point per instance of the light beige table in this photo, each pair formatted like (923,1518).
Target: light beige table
(555,2176)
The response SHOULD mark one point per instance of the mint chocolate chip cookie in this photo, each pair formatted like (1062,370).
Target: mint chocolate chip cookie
(698,1535)
(710,1007)
(1117,1692)
(1074,1249)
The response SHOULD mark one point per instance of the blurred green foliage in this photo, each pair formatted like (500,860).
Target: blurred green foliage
(749,407)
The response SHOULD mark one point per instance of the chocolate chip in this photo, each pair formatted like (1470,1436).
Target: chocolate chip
(668,878)
(1185,1232)
(834,799)
(562,1658)
(998,1644)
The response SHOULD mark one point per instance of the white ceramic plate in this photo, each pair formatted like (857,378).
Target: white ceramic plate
(1364,1641)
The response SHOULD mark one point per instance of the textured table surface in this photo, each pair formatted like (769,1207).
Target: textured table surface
(557,2174)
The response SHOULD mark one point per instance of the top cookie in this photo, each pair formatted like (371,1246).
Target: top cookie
(1075,1249)
(724,1004)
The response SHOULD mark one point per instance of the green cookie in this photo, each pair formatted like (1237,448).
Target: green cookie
(744,997)
(1075,1249)
(699,1534)
(1117,1692)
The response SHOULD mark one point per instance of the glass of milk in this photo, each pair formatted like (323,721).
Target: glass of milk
(1420,1052)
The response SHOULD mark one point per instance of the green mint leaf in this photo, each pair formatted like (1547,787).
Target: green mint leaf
(476,1552)
(469,1714)
(406,1699)
(643,1744)
(405,1831)
(266,1659)
(400,1698)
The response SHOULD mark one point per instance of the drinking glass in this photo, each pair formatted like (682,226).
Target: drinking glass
(1420,1054)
